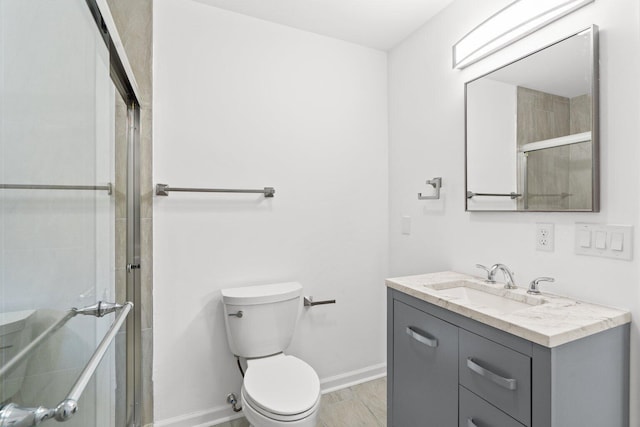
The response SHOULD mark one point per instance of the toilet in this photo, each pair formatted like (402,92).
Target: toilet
(277,390)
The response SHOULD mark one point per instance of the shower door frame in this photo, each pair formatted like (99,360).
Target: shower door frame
(125,83)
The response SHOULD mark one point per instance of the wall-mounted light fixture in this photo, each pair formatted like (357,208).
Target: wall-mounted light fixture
(517,20)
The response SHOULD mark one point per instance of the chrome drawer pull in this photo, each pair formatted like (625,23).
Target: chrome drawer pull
(508,383)
(429,341)
(470,423)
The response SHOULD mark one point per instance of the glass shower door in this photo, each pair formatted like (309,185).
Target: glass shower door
(60,233)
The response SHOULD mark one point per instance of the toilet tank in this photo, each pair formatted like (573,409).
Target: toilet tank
(268,319)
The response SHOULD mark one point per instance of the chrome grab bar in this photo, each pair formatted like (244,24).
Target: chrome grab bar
(471,195)
(164,189)
(12,415)
(108,188)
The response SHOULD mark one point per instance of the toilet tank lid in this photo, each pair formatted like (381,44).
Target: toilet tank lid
(249,295)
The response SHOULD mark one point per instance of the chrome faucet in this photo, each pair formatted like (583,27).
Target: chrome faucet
(508,275)
(534,288)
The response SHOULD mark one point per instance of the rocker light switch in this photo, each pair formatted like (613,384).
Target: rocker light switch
(601,239)
(584,238)
(617,240)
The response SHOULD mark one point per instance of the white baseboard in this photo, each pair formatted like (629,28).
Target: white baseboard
(352,378)
(207,418)
(223,414)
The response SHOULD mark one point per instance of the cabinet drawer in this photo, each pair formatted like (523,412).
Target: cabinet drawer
(497,374)
(425,369)
(475,412)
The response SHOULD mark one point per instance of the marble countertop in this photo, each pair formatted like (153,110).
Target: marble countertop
(549,320)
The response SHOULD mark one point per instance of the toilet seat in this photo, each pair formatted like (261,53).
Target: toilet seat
(281,387)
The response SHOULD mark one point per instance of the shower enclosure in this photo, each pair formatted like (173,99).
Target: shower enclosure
(69,218)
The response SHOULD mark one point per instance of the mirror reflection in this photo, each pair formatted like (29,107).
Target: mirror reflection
(531,143)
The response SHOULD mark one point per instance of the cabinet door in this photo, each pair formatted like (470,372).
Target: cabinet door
(425,369)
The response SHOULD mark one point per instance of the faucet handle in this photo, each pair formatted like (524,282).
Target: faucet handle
(488,279)
(534,285)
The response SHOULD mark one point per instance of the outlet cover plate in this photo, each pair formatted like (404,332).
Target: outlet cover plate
(545,237)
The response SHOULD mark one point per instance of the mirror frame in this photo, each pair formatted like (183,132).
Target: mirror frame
(595,124)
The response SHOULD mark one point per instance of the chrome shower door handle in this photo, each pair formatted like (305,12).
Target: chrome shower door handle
(422,337)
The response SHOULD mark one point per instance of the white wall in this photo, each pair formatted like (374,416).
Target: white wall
(427,138)
(243,103)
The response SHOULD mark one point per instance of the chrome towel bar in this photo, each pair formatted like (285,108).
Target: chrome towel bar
(12,415)
(108,187)
(471,194)
(164,189)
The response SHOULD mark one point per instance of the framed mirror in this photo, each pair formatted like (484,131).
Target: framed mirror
(532,131)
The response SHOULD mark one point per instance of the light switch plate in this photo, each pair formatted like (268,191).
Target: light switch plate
(608,241)
(406,225)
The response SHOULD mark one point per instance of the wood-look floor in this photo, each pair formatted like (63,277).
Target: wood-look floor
(363,405)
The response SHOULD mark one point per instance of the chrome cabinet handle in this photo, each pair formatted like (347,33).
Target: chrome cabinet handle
(470,423)
(508,383)
(428,341)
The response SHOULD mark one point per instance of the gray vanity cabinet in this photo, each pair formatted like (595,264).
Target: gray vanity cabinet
(447,370)
(425,383)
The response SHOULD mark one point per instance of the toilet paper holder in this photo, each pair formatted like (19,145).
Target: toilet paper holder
(309,302)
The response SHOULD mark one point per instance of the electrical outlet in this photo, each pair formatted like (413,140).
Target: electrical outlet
(544,237)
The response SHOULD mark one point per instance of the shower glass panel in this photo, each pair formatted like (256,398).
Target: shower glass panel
(59,247)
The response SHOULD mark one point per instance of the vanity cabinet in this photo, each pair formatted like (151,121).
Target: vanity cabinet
(447,370)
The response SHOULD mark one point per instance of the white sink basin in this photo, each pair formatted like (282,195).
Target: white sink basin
(490,299)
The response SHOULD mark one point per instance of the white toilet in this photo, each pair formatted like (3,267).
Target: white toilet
(278,390)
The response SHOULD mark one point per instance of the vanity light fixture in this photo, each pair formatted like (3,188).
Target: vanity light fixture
(517,20)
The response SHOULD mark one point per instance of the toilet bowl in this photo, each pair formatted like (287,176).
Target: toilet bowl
(278,390)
